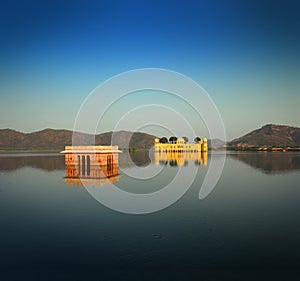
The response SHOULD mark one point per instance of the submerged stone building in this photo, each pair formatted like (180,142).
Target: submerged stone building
(91,162)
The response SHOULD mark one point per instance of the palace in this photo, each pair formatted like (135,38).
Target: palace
(181,146)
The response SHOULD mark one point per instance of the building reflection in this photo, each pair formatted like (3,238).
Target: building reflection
(94,175)
(180,158)
(91,165)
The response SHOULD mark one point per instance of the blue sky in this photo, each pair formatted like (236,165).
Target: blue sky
(245,54)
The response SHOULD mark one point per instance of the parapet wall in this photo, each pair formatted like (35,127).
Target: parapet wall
(91,147)
(100,155)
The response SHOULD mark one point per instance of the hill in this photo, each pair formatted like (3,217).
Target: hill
(50,139)
(269,136)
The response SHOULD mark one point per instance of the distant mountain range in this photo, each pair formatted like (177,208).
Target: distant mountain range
(50,139)
(269,136)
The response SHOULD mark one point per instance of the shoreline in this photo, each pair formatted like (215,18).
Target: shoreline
(267,149)
(29,151)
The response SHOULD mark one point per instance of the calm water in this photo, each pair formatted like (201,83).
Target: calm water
(248,228)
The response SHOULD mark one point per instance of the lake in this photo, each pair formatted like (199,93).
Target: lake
(247,228)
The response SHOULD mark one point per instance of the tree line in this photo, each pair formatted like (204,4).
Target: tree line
(173,139)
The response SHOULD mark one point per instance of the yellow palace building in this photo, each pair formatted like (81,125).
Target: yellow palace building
(181,146)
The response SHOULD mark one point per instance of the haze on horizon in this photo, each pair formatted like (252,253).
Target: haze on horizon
(245,54)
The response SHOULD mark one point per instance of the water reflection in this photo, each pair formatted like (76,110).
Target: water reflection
(267,162)
(47,162)
(180,158)
(248,222)
(270,162)
(100,175)
(140,158)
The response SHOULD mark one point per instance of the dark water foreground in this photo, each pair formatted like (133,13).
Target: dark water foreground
(248,228)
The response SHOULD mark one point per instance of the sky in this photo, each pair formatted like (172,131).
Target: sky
(244,54)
